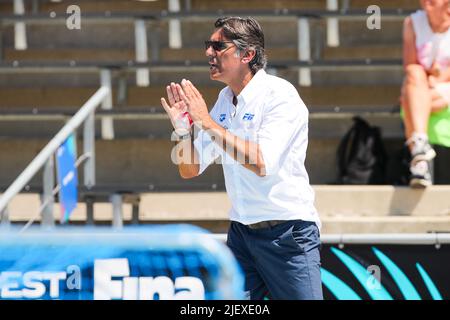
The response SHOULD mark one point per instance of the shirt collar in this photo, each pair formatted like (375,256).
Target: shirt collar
(251,89)
(254,87)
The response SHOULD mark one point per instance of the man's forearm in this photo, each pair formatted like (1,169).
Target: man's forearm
(186,158)
(246,152)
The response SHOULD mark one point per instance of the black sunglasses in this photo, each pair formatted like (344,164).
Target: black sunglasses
(216,45)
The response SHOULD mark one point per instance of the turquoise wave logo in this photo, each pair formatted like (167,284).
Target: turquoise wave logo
(371,284)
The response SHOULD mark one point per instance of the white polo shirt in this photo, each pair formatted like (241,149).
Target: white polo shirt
(271,113)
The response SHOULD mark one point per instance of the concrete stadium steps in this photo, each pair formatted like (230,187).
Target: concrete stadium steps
(67,54)
(195,54)
(115,54)
(125,5)
(50,97)
(101,6)
(384,5)
(321,126)
(389,76)
(375,51)
(355,32)
(91,78)
(277,32)
(147,162)
(120,162)
(114,35)
(123,129)
(331,76)
(343,209)
(246,5)
(92,6)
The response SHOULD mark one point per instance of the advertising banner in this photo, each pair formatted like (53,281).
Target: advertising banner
(386,272)
(146,263)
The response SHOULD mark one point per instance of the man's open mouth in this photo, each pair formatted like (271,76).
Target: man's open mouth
(213,66)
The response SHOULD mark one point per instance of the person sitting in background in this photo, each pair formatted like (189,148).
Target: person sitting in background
(425,96)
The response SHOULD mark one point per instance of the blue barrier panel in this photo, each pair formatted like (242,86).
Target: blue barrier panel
(144,263)
(66,156)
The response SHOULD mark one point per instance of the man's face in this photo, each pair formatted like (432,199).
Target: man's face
(223,59)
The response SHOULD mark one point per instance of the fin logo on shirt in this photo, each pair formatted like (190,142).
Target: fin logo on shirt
(222,117)
(248,116)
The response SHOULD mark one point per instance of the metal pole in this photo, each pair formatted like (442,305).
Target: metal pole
(122,91)
(135,213)
(4,217)
(89,149)
(154,40)
(52,146)
(140,36)
(304,51)
(345,5)
(107,122)
(174,26)
(431,165)
(332,25)
(1,42)
(35,6)
(134,200)
(187,5)
(20,33)
(116,200)
(49,183)
(89,210)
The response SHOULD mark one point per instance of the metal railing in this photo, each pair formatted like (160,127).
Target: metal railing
(436,239)
(45,159)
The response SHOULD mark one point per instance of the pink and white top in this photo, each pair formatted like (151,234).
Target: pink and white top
(430,46)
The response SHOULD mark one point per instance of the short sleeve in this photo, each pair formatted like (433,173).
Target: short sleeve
(207,150)
(284,117)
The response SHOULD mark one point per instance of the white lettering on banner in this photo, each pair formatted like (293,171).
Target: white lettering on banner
(10,284)
(104,287)
(141,288)
(74,277)
(34,286)
(193,287)
(29,285)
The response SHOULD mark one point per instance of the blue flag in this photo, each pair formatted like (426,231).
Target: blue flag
(67,177)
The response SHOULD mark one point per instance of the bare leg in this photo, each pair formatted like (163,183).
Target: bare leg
(406,114)
(416,99)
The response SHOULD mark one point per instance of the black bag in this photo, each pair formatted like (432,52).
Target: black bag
(361,155)
(398,173)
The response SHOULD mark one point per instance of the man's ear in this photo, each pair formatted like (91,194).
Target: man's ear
(249,54)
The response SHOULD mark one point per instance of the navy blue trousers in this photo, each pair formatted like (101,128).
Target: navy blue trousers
(280,262)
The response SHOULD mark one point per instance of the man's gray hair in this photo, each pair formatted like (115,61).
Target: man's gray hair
(246,33)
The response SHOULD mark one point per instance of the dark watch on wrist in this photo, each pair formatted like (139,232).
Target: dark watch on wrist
(180,137)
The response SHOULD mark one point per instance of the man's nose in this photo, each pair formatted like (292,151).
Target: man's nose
(209,52)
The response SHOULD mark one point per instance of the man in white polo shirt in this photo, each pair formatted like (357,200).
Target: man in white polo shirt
(258,128)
